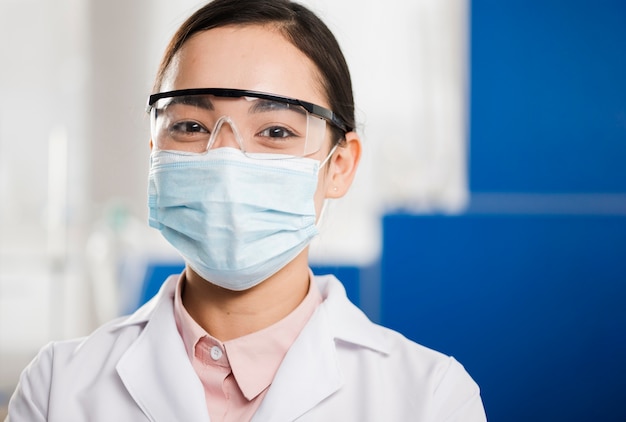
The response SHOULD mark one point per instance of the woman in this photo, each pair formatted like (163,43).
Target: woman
(252,131)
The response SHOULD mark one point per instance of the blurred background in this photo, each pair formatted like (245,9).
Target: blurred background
(488,220)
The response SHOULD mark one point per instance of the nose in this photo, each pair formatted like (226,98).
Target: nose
(225,134)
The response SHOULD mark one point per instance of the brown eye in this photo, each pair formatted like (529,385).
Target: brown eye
(276,132)
(188,127)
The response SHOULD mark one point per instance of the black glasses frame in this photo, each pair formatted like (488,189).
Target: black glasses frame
(314,109)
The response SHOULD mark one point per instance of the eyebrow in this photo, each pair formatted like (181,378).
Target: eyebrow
(201,101)
(261,105)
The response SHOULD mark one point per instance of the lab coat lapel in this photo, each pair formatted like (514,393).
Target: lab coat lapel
(308,374)
(156,369)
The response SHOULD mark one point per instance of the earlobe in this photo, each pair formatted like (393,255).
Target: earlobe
(343,166)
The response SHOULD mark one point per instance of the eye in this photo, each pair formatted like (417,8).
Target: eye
(188,127)
(276,132)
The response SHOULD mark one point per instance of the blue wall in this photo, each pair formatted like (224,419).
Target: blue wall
(548,96)
(532,305)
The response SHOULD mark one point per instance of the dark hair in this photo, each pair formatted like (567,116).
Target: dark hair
(298,24)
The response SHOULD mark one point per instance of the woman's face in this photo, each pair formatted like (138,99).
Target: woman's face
(256,58)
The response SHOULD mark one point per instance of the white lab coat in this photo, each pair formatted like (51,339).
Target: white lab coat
(342,367)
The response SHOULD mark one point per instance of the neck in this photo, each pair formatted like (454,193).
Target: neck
(227,314)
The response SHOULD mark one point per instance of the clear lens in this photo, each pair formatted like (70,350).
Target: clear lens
(260,127)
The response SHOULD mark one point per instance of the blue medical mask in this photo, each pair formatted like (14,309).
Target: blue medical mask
(235,220)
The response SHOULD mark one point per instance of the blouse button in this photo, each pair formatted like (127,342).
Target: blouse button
(216,352)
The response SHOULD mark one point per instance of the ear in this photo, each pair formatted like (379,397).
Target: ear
(151,144)
(342,166)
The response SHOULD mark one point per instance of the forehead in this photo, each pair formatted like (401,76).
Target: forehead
(254,57)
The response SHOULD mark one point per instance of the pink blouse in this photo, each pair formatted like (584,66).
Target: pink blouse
(236,374)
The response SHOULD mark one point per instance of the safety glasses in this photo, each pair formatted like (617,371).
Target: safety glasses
(262,125)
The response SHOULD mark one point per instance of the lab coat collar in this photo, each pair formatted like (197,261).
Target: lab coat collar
(349,323)
(158,374)
(308,374)
(156,370)
(311,366)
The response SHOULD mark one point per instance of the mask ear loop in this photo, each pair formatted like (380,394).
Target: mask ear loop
(318,223)
(330,154)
